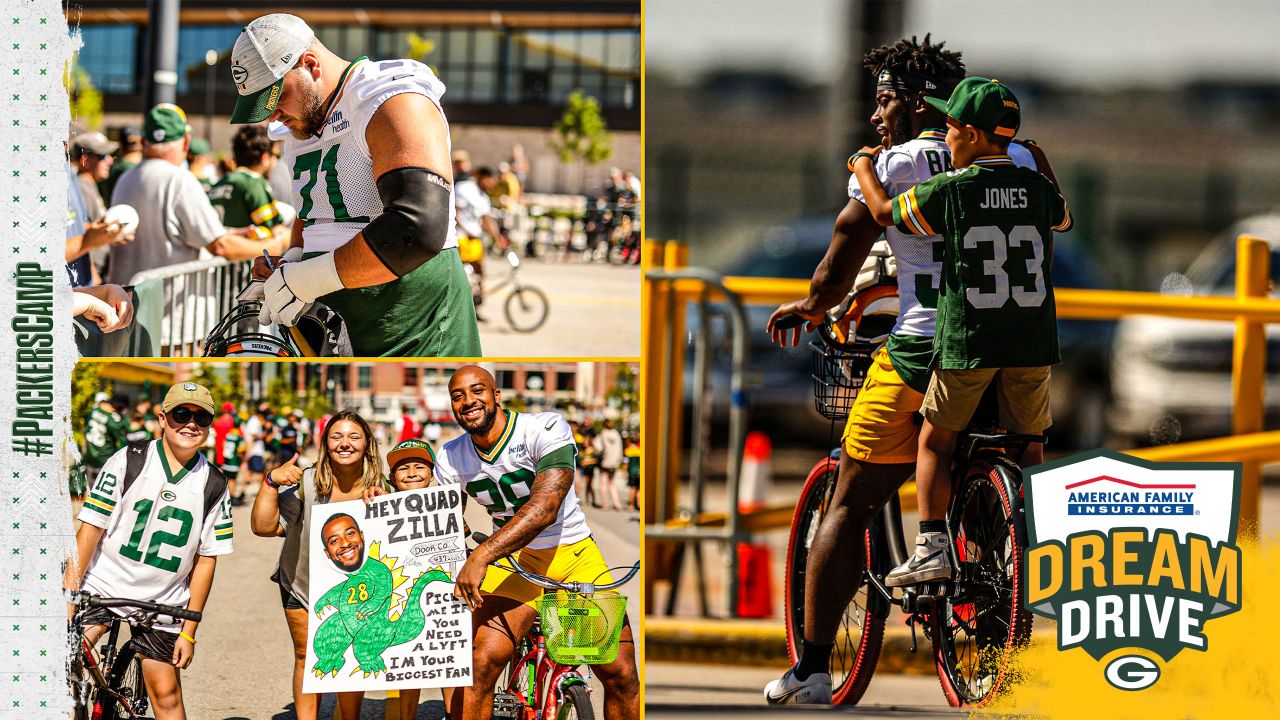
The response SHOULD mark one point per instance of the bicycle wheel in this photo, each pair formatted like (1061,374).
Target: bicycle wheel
(575,704)
(81,687)
(983,621)
(526,308)
(125,697)
(857,644)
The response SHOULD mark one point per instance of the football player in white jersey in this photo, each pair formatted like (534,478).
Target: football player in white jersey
(368,147)
(879,445)
(520,466)
(157,540)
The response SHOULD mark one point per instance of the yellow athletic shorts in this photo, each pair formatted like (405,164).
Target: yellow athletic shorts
(579,562)
(881,426)
(470,249)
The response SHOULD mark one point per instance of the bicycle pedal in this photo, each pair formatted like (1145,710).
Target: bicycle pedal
(506,706)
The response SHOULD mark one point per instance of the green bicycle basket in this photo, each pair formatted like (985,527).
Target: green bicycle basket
(582,629)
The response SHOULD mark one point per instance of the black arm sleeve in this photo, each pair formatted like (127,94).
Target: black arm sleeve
(414,223)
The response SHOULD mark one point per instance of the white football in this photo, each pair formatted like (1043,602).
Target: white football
(124,215)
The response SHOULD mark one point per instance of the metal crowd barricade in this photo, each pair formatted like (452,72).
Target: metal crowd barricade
(177,306)
(689,535)
(670,287)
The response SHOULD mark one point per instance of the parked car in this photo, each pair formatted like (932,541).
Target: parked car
(1172,376)
(778,383)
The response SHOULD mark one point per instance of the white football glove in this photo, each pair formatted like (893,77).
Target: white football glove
(254,292)
(294,286)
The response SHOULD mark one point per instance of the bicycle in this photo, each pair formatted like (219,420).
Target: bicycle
(973,621)
(108,684)
(526,307)
(535,685)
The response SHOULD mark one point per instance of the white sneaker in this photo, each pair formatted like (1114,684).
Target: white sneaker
(930,562)
(787,690)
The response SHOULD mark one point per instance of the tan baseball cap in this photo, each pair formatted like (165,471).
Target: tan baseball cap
(267,48)
(187,393)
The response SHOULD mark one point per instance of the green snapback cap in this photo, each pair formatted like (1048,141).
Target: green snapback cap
(984,103)
(164,123)
(419,449)
(199,146)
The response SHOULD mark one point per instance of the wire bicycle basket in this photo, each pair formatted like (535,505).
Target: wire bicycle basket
(837,377)
(582,629)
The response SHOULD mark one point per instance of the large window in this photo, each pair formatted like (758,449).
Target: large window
(364,377)
(479,65)
(111,56)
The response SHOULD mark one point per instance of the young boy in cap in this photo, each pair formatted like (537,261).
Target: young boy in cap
(996,318)
(412,463)
(152,528)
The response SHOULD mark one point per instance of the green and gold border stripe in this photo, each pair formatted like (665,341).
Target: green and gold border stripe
(910,211)
(102,506)
(501,445)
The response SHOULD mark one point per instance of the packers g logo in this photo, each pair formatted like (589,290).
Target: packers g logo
(239,74)
(168,496)
(1132,558)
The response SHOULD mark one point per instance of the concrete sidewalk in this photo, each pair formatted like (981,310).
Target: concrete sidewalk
(763,643)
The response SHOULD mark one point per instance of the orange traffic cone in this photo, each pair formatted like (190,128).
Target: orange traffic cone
(755,591)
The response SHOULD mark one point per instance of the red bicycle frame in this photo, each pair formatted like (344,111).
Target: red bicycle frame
(548,676)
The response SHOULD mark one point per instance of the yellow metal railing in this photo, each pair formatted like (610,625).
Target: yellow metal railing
(1249,309)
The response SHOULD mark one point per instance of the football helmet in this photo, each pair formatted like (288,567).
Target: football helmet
(238,334)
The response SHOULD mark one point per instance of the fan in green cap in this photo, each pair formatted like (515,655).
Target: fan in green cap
(164,123)
(412,463)
(986,104)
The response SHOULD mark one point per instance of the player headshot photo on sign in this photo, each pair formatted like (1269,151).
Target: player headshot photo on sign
(384,615)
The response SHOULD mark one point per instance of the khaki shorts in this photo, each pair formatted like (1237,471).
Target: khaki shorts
(953,395)
(882,426)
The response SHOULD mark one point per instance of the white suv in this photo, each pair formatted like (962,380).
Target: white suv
(1171,377)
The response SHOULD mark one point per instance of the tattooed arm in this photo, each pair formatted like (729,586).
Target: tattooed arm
(537,514)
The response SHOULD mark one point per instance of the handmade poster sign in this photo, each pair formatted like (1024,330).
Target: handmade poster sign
(383,615)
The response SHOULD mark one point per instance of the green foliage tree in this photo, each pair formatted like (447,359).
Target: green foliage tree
(86,101)
(280,393)
(581,131)
(315,404)
(625,393)
(223,382)
(85,383)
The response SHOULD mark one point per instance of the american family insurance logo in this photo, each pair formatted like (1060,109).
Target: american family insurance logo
(1132,558)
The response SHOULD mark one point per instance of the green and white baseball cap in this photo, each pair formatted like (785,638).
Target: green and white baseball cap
(267,48)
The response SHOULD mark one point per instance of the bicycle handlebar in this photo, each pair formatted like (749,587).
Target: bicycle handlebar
(85,600)
(787,322)
(543,581)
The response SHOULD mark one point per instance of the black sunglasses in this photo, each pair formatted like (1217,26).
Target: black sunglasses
(183,415)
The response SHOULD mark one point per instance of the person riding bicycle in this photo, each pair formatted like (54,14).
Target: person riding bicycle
(473,213)
(879,443)
(520,466)
(986,206)
(155,537)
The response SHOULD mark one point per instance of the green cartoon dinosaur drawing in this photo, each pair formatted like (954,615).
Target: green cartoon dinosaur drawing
(366,604)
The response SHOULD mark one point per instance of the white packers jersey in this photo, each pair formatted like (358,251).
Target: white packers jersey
(919,258)
(154,533)
(333,185)
(502,479)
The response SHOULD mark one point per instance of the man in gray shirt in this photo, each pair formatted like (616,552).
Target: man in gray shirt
(175,218)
